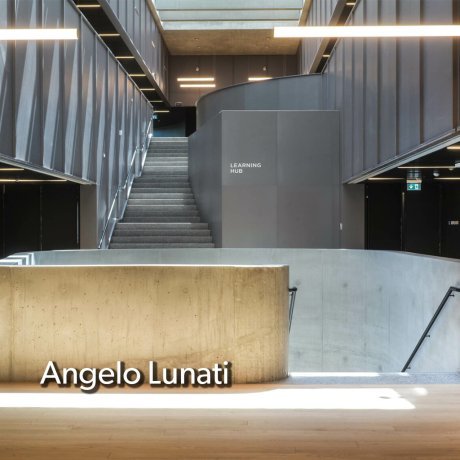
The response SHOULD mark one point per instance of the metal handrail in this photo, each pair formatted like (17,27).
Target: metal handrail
(292,294)
(449,294)
(143,149)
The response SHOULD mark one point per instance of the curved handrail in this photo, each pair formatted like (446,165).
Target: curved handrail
(449,294)
(128,182)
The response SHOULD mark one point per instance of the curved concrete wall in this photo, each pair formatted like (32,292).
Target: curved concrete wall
(177,316)
(355,310)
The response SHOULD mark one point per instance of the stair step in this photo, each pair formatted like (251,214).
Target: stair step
(184,226)
(160,201)
(161,188)
(160,245)
(183,180)
(153,213)
(142,239)
(154,195)
(129,232)
(160,219)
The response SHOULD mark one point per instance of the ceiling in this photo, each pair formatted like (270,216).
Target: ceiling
(223,27)
(442,162)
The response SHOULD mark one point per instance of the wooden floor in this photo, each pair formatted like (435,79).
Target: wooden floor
(420,422)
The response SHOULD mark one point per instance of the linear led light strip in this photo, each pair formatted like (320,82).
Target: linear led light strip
(426,167)
(191,79)
(368,31)
(30,180)
(198,85)
(259,78)
(38,34)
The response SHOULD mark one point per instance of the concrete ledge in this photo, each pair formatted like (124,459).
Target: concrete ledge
(178,316)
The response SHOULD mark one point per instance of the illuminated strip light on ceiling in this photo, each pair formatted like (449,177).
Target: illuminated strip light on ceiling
(161,111)
(93,5)
(198,85)
(447,178)
(11,169)
(38,34)
(203,79)
(385,178)
(425,167)
(368,31)
(109,35)
(453,147)
(30,180)
(259,78)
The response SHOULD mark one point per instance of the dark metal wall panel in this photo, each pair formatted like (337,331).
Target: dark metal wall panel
(227,71)
(136,20)
(437,73)
(408,86)
(68,108)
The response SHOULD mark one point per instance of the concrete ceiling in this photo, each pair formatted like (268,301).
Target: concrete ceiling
(223,27)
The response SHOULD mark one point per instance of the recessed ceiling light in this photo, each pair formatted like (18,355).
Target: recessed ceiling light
(195,79)
(424,167)
(38,34)
(198,85)
(368,31)
(259,78)
(453,147)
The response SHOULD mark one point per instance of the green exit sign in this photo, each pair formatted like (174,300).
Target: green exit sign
(414,186)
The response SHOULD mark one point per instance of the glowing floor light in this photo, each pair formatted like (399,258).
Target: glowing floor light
(368,31)
(277,399)
(38,34)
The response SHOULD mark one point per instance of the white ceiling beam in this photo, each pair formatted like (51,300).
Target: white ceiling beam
(227,4)
(246,15)
(226,25)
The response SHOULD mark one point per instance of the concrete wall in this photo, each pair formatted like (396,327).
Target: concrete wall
(178,316)
(355,310)
(291,200)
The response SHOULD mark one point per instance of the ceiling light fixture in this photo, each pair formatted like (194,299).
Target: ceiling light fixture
(109,35)
(453,147)
(424,167)
(196,79)
(137,75)
(93,5)
(11,169)
(147,89)
(38,34)
(368,31)
(447,178)
(161,111)
(198,85)
(259,78)
(385,178)
(124,57)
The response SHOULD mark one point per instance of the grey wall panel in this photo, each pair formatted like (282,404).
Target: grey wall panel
(7,116)
(291,200)
(63,105)
(409,88)
(135,21)
(293,93)
(437,73)
(205,164)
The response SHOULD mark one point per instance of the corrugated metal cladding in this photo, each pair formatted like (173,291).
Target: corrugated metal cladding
(67,107)
(136,19)
(396,95)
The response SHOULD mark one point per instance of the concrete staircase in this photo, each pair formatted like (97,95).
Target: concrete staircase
(161,211)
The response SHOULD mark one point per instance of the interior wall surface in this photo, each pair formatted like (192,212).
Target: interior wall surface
(142,35)
(226,71)
(271,178)
(397,96)
(360,311)
(68,108)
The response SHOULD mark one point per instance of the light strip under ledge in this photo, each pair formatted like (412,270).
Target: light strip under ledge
(368,31)
(38,34)
(190,79)
(259,78)
(198,85)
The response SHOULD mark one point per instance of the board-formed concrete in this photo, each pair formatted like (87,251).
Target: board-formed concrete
(355,310)
(178,316)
